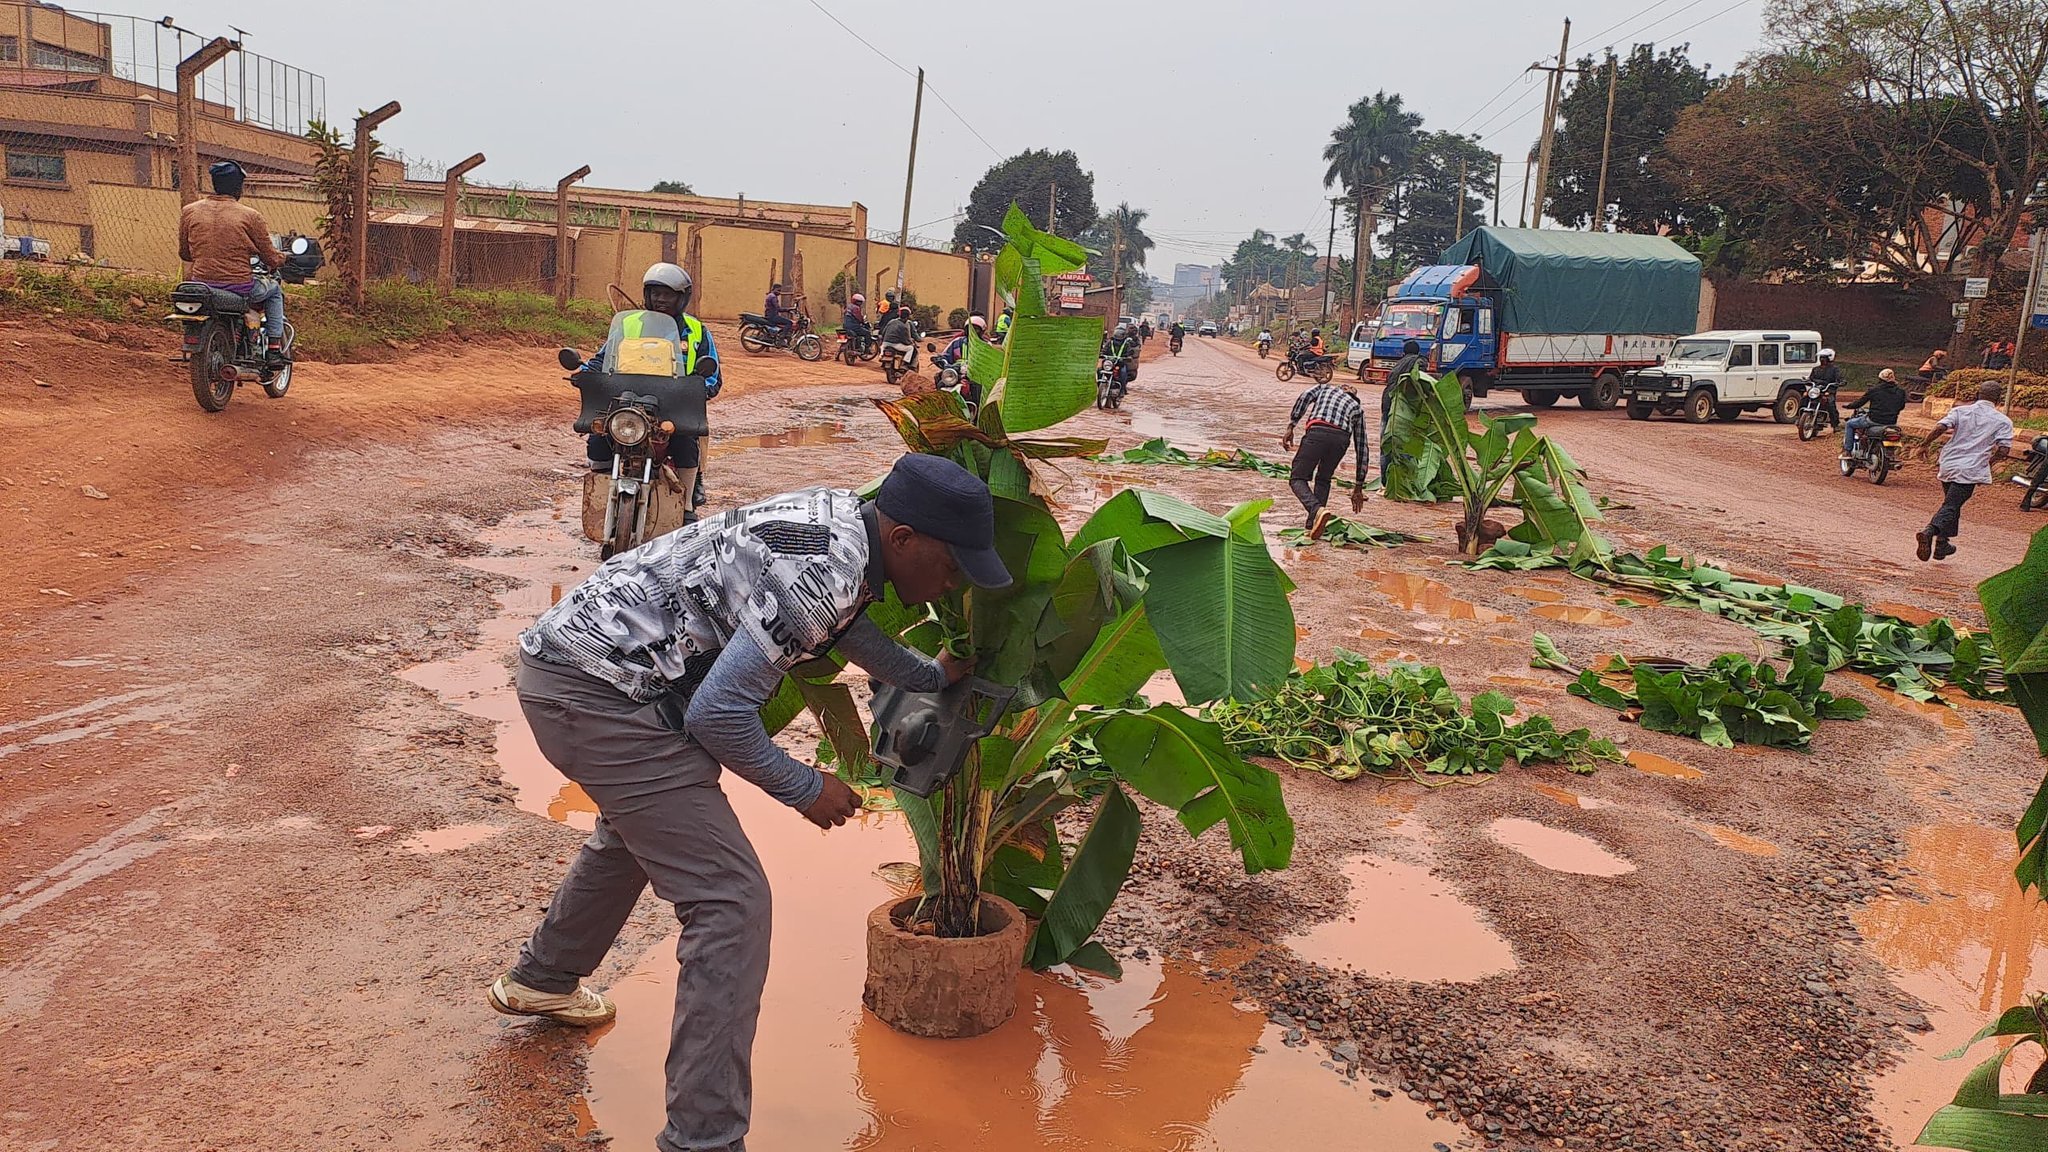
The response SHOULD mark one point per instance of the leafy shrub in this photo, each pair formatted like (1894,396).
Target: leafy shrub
(1728,702)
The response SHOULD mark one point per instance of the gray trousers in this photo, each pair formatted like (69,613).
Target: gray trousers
(662,820)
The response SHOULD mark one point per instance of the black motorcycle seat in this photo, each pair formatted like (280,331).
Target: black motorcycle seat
(216,299)
(753,318)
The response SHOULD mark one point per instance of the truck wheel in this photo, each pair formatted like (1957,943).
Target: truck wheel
(1640,409)
(1786,410)
(1699,406)
(1466,386)
(1601,394)
(1540,399)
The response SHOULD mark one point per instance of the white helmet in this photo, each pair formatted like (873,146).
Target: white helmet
(977,323)
(1827,353)
(859,299)
(669,276)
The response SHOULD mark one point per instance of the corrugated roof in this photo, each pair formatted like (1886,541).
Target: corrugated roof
(465,223)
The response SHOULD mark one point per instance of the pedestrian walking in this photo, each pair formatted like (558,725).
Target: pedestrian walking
(649,677)
(1336,421)
(1978,434)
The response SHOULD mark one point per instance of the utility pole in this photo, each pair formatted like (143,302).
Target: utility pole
(1496,189)
(2035,272)
(1329,248)
(1606,144)
(1459,231)
(1525,187)
(909,174)
(209,54)
(1116,261)
(361,158)
(1550,123)
(1052,207)
(565,262)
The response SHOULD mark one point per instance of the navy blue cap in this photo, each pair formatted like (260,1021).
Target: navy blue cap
(935,497)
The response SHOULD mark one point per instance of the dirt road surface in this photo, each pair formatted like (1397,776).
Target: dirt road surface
(270,823)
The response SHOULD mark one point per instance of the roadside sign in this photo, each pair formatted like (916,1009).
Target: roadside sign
(2040,308)
(1976,287)
(1959,309)
(1960,325)
(1073,289)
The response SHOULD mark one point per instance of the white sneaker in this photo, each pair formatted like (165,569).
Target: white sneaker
(583,1008)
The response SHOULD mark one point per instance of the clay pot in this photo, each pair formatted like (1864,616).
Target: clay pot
(928,986)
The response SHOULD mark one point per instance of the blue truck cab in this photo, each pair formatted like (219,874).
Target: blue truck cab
(1448,310)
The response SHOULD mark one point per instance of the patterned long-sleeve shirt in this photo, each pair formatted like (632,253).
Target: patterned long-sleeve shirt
(1334,406)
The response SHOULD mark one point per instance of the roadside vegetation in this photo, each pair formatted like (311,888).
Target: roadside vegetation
(395,315)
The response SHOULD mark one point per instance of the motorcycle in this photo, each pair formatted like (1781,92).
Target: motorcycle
(1265,346)
(1876,449)
(1321,369)
(223,336)
(1173,345)
(1109,386)
(2034,477)
(758,337)
(858,349)
(951,376)
(644,496)
(1814,409)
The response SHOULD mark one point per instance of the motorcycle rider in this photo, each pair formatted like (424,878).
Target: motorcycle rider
(898,337)
(217,235)
(1265,340)
(666,288)
(1885,402)
(773,312)
(956,355)
(1829,377)
(854,322)
(1121,348)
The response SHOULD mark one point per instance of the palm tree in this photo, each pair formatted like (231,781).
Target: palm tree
(1366,154)
(1125,225)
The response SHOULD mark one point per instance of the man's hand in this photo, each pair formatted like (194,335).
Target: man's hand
(836,803)
(955,667)
(1358,496)
(1287,441)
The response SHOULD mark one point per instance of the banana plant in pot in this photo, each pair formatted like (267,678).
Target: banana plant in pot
(1148,584)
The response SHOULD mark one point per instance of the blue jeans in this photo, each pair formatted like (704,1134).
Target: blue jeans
(1854,424)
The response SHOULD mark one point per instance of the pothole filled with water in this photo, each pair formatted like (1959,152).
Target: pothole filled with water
(1405,923)
(1557,849)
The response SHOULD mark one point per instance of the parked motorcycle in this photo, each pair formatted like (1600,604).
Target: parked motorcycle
(2034,477)
(1815,410)
(1321,369)
(1109,386)
(857,349)
(1875,449)
(1265,346)
(223,336)
(758,337)
(644,496)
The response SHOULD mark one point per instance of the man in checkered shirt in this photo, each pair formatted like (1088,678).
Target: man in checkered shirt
(1336,420)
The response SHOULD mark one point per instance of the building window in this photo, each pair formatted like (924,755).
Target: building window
(41,167)
(63,59)
(10,50)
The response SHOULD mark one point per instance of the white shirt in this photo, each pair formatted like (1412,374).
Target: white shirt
(1978,426)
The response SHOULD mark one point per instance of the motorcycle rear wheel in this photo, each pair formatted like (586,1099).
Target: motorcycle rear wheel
(1322,373)
(809,348)
(213,367)
(1883,467)
(1283,372)
(753,341)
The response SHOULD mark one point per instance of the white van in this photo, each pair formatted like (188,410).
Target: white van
(1724,373)
(1358,350)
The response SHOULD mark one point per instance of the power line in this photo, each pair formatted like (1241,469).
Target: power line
(1633,17)
(1490,99)
(892,62)
(1715,16)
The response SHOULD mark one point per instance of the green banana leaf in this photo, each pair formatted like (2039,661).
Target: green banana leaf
(984,360)
(1182,762)
(1145,520)
(1055,254)
(1980,1119)
(1221,611)
(1093,878)
(1051,371)
(2016,608)
(1124,656)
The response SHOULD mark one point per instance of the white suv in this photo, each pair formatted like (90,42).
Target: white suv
(1724,373)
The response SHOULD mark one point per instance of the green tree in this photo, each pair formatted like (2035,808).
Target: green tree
(1366,154)
(1030,180)
(673,187)
(1427,217)
(1257,260)
(1651,90)
(1126,225)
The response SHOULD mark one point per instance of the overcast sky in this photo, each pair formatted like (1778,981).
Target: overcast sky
(1211,115)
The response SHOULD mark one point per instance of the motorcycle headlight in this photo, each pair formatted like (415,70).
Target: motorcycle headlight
(627,427)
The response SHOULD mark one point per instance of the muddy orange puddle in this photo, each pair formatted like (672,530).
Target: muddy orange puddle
(1557,849)
(1907,612)
(449,839)
(1421,594)
(1973,948)
(1657,765)
(1405,924)
(1740,841)
(550,552)
(1569,798)
(802,436)
(1573,614)
(1539,595)
(1162,1059)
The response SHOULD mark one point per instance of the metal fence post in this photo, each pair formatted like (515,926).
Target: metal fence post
(563,272)
(450,190)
